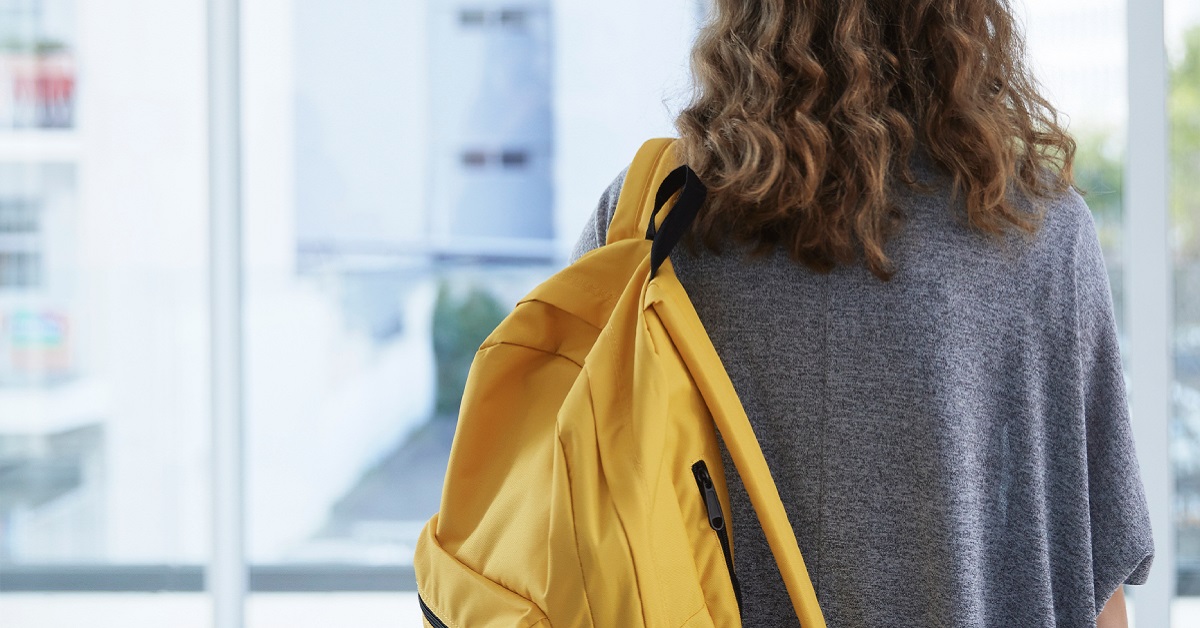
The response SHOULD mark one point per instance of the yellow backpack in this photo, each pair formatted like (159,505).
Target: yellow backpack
(585,485)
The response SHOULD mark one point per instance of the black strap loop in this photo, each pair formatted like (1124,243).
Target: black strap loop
(691,197)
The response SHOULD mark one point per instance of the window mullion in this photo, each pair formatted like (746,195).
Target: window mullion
(1147,289)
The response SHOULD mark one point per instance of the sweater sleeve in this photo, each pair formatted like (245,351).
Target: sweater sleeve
(1122,544)
(595,232)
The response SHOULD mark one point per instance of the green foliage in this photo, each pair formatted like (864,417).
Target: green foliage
(1100,175)
(1183,107)
(40,46)
(1099,170)
(460,325)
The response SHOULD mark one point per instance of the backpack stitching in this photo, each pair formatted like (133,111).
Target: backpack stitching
(574,531)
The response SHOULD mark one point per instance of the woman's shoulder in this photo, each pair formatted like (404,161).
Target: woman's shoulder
(595,231)
(1066,236)
(1065,227)
(1068,230)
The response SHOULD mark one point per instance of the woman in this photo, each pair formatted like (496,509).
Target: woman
(909,296)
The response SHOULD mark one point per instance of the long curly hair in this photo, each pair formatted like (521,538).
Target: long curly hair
(806,114)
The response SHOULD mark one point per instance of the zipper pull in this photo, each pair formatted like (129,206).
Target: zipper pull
(716,517)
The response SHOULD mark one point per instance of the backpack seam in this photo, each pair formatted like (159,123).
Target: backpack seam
(607,296)
(574,531)
(637,581)
(537,349)
(703,608)
(444,616)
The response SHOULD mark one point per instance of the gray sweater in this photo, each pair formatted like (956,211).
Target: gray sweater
(953,447)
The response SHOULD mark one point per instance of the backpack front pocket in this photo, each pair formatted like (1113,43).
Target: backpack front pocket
(716,520)
(452,594)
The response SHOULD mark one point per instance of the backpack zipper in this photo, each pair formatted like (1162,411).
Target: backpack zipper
(433,619)
(716,520)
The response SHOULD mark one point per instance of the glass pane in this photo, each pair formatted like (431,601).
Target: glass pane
(103,301)
(397,221)
(1183,106)
(405,186)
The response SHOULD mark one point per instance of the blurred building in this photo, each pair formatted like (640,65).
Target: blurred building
(389,150)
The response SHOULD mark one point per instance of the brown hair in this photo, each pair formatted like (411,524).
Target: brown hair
(806,113)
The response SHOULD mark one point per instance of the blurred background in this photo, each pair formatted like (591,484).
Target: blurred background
(409,170)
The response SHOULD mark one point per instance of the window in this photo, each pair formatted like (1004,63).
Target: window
(472,17)
(411,169)
(19,215)
(103,305)
(20,270)
(1183,48)
(508,18)
(37,64)
(418,222)
(507,158)
(34,200)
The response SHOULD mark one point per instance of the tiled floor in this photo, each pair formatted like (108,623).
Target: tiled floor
(310,610)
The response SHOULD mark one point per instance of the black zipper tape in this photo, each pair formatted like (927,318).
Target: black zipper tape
(433,619)
(716,520)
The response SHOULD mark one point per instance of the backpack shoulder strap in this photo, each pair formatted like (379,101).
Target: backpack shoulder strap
(650,165)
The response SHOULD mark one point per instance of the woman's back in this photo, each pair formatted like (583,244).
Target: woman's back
(952,445)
